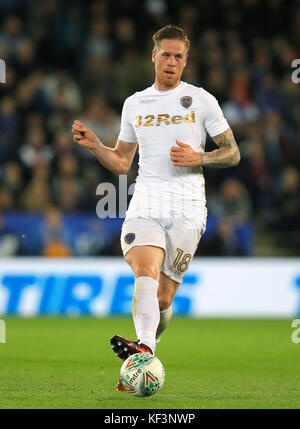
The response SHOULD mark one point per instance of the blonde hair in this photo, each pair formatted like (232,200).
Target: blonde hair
(170,32)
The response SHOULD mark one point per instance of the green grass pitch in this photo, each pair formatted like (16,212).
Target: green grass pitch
(209,363)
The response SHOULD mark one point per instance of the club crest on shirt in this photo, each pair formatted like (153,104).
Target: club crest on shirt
(129,237)
(186,101)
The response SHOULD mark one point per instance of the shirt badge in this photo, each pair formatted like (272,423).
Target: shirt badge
(186,101)
(129,237)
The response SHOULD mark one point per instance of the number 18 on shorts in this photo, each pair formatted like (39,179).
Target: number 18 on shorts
(179,236)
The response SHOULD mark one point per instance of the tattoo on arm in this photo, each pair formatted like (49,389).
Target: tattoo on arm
(227,155)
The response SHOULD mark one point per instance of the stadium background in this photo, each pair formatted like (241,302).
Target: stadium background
(80,59)
(68,60)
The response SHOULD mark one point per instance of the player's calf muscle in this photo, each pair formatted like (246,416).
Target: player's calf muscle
(164,301)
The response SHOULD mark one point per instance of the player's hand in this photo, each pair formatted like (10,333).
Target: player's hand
(184,156)
(84,136)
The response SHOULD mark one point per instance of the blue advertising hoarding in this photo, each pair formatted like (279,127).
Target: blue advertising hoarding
(105,286)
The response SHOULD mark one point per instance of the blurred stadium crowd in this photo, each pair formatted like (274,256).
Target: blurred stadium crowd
(71,60)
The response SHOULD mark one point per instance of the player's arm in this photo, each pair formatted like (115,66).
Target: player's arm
(117,159)
(227,154)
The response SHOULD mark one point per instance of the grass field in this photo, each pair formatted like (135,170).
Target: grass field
(68,363)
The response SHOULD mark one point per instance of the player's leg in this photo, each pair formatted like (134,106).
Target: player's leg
(145,262)
(166,292)
(143,244)
(182,239)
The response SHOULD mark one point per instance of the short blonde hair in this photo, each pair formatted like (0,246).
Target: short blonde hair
(170,32)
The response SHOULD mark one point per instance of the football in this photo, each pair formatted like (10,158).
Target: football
(142,374)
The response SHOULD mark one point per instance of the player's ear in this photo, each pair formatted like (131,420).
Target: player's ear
(153,55)
(186,58)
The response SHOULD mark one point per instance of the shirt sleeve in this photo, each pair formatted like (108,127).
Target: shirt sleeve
(214,121)
(127,132)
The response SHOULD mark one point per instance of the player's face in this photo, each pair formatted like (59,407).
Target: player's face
(169,59)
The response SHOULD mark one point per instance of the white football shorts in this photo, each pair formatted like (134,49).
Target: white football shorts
(179,236)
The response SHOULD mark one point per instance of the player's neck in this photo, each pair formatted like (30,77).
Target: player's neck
(161,87)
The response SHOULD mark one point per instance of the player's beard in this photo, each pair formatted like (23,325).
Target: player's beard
(168,82)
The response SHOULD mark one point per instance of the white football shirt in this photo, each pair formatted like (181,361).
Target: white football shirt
(156,119)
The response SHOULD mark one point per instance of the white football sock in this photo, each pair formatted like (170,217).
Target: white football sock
(165,317)
(145,310)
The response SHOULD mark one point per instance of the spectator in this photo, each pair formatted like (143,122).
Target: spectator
(9,118)
(62,91)
(56,241)
(125,37)
(104,121)
(68,195)
(35,151)
(99,44)
(287,201)
(9,242)
(25,60)
(13,180)
(7,202)
(232,203)
(240,109)
(224,242)
(82,59)
(36,197)
(56,249)
(12,35)
(31,94)
(9,126)
(63,144)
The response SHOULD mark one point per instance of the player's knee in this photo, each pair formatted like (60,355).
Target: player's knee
(164,302)
(148,271)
